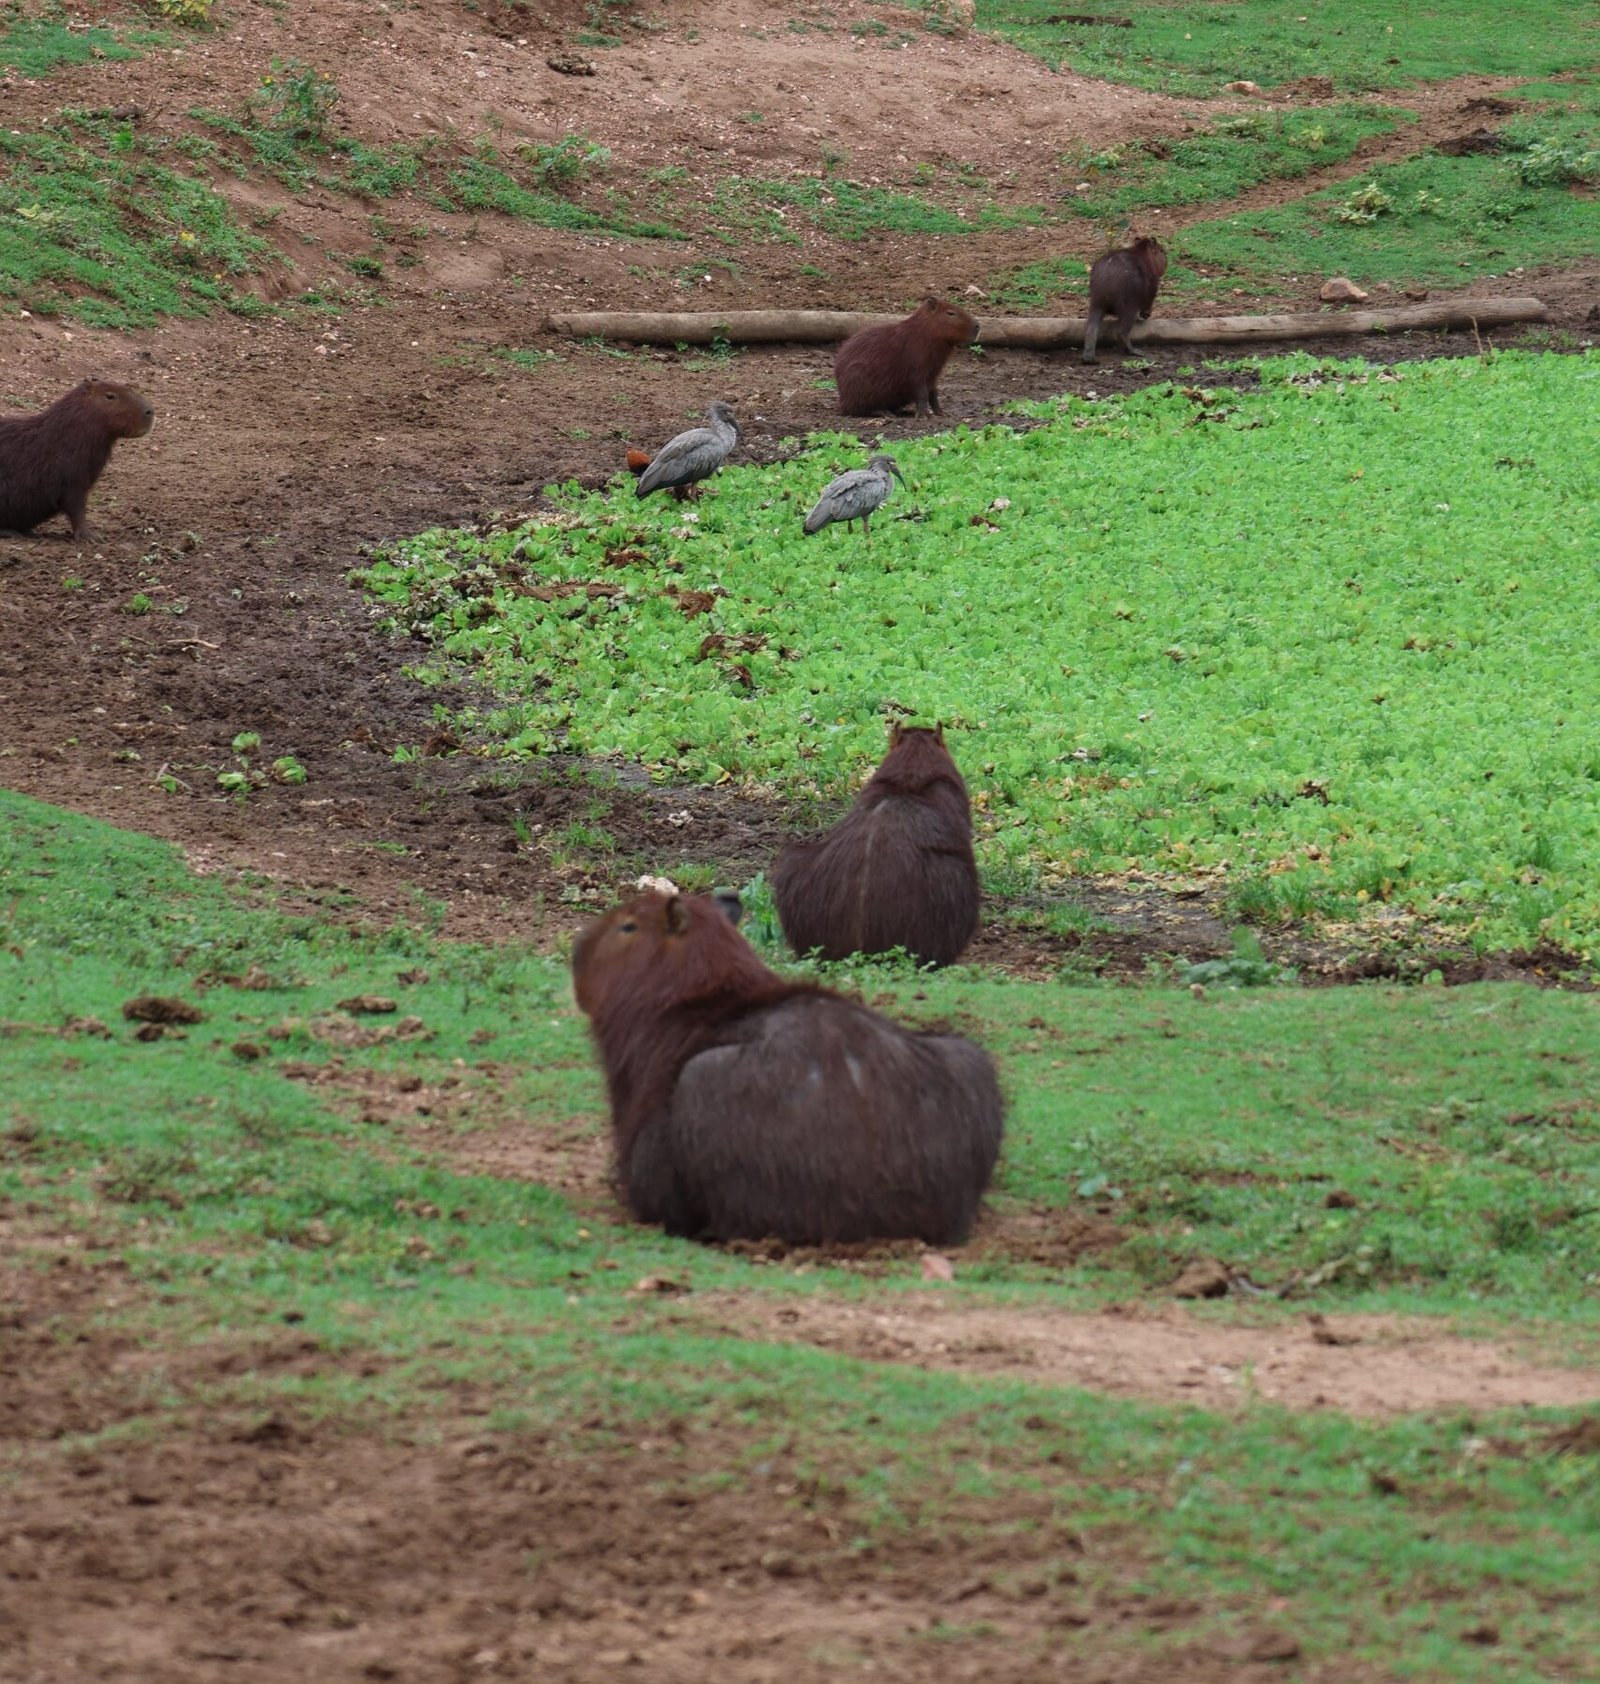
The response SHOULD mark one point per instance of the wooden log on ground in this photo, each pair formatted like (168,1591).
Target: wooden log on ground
(1041,333)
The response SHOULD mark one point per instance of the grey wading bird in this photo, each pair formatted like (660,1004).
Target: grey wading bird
(693,456)
(856,495)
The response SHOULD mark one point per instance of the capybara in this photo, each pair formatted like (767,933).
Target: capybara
(885,368)
(1123,284)
(896,871)
(49,461)
(746,1107)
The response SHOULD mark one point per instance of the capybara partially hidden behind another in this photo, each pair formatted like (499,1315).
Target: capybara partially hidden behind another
(49,461)
(1123,284)
(885,368)
(746,1107)
(896,871)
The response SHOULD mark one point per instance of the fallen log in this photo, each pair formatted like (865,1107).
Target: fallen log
(1040,333)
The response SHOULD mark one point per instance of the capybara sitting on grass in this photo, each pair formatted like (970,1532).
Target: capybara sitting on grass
(885,368)
(1123,284)
(896,871)
(747,1107)
(49,461)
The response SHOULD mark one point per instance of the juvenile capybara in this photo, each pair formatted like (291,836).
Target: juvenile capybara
(1123,284)
(896,871)
(49,461)
(746,1107)
(885,368)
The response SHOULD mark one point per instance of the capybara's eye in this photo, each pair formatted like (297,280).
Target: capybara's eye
(628,928)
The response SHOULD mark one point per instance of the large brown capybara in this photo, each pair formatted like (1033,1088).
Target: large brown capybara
(885,368)
(896,871)
(747,1107)
(49,461)
(1123,284)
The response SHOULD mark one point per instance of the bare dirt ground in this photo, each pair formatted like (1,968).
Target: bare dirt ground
(260,1549)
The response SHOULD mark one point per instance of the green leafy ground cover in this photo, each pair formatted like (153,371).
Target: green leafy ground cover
(1320,631)
(1358,44)
(1463,1123)
(1224,159)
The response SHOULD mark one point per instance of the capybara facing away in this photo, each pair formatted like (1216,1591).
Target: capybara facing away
(896,871)
(1123,284)
(885,368)
(49,461)
(744,1106)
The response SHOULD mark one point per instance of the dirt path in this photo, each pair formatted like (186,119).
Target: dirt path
(186,1535)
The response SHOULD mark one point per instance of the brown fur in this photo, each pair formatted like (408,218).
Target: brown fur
(49,461)
(744,1106)
(1123,284)
(896,871)
(888,367)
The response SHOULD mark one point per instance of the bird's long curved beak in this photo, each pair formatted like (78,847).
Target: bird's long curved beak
(899,476)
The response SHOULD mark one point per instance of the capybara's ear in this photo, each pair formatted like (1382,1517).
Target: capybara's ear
(677,916)
(895,732)
(729,904)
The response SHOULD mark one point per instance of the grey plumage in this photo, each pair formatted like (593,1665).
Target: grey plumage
(692,456)
(855,495)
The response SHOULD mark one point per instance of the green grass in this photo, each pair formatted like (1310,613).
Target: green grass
(1463,1123)
(1439,220)
(100,221)
(1224,159)
(1358,44)
(36,41)
(745,208)
(1316,635)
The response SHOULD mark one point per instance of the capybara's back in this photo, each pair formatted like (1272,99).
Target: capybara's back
(899,363)
(897,871)
(819,1122)
(1123,284)
(49,461)
(744,1105)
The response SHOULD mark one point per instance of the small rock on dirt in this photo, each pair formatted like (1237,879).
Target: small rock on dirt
(1268,1645)
(1341,290)
(937,1267)
(1205,1279)
(663,1286)
(161,1008)
(1242,87)
(1323,1334)
(369,1005)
